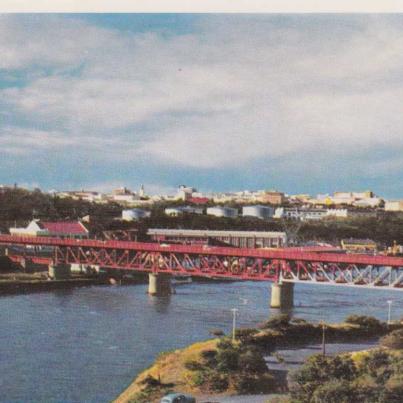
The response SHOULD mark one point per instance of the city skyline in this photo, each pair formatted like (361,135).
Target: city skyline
(304,103)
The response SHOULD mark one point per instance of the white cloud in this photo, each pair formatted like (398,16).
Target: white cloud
(228,94)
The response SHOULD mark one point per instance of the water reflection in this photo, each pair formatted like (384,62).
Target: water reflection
(161,303)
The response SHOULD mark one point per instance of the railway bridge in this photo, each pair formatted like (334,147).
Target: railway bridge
(283,267)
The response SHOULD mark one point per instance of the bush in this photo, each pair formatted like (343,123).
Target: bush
(318,370)
(393,340)
(366,322)
(227,360)
(334,391)
(193,365)
(208,354)
(218,382)
(198,378)
(245,335)
(252,361)
(149,381)
(216,332)
(278,322)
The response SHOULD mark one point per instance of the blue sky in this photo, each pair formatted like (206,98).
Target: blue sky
(301,103)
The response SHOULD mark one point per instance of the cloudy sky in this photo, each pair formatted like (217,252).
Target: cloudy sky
(301,103)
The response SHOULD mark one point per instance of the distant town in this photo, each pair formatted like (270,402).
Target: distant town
(261,203)
(355,221)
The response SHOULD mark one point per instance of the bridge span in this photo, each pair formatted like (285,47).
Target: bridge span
(283,267)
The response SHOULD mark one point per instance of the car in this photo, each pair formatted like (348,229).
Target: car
(178,398)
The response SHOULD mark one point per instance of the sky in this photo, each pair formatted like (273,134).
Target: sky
(303,103)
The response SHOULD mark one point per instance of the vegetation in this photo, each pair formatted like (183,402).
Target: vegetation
(223,366)
(232,366)
(375,378)
(393,340)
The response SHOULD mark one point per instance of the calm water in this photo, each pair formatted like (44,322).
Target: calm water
(87,344)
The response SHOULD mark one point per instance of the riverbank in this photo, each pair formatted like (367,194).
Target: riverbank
(218,367)
(14,283)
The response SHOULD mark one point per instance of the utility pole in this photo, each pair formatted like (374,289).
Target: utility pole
(389,310)
(323,339)
(234,312)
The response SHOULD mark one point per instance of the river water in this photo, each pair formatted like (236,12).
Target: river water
(87,344)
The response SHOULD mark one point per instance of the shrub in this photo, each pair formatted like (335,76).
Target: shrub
(218,382)
(208,354)
(334,392)
(150,381)
(225,344)
(198,378)
(366,322)
(278,322)
(252,361)
(193,365)
(393,340)
(245,335)
(318,370)
(216,332)
(227,360)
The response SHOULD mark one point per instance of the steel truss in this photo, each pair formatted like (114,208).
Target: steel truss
(221,262)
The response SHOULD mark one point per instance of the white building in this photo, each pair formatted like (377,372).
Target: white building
(368,202)
(219,211)
(300,214)
(135,214)
(185,192)
(394,205)
(258,211)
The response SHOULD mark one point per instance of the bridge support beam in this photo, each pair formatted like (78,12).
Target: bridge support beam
(159,284)
(59,272)
(282,295)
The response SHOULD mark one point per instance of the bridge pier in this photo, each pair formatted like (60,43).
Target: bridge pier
(59,272)
(159,284)
(282,295)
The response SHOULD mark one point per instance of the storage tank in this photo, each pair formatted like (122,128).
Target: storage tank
(135,214)
(219,211)
(258,211)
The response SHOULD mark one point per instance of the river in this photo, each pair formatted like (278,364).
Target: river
(87,344)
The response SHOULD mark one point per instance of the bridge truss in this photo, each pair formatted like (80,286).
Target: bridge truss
(291,265)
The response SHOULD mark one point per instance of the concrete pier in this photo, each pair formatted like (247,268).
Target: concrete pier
(59,272)
(282,295)
(159,284)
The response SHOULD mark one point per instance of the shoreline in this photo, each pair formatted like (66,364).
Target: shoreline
(182,369)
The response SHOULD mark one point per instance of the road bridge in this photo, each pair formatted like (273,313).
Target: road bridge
(283,267)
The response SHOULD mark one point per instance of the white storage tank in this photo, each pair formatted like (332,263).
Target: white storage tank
(219,211)
(135,214)
(258,211)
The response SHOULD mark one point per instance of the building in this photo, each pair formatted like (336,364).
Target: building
(60,229)
(258,211)
(198,200)
(370,202)
(135,214)
(177,211)
(353,245)
(185,192)
(356,195)
(302,214)
(222,211)
(272,197)
(242,239)
(394,205)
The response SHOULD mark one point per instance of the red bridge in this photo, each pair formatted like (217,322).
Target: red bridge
(277,265)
